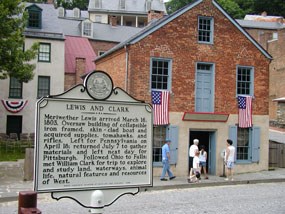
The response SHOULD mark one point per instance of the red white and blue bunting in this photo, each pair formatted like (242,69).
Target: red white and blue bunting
(14,106)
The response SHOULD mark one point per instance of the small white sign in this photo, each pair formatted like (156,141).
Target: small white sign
(87,144)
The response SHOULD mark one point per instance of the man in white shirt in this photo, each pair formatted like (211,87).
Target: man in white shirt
(192,151)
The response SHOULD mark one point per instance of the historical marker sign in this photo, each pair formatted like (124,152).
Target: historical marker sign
(82,143)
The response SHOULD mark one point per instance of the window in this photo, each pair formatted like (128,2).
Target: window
(247,143)
(245,80)
(43,86)
(159,135)
(34,17)
(15,89)
(61,12)
(76,13)
(275,35)
(148,5)
(87,28)
(98,18)
(44,52)
(101,53)
(160,73)
(243,144)
(122,5)
(98,4)
(205,29)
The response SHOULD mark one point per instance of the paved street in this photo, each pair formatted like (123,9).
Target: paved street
(236,199)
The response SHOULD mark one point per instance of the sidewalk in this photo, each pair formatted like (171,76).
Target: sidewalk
(11,180)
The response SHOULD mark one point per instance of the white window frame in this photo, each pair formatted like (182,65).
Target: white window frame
(87,28)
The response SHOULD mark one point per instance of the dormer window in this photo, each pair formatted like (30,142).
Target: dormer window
(76,13)
(35,16)
(148,5)
(122,5)
(87,28)
(98,3)
(61,12)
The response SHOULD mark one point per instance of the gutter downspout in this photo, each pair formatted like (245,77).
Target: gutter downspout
(127,68)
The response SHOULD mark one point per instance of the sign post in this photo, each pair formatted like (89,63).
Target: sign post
(93,143)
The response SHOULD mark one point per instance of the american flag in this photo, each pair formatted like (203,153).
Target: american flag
(245,111)
(160,101)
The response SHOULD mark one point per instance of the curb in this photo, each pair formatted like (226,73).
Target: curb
(199,185)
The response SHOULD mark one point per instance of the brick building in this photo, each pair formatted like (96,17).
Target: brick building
(205,59)
(269,32)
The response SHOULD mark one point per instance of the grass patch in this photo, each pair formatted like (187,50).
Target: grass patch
(13,150)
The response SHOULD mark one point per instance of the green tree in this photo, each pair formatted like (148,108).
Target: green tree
(273,7)
(14,60)
(81,4)
(230,6)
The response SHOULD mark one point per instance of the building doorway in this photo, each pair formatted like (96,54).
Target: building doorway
(206,138)
(14,125)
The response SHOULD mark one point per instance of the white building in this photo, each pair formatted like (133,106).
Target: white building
(17,111)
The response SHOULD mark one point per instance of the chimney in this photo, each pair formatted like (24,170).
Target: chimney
(80,65)
(154,14)
(113,21)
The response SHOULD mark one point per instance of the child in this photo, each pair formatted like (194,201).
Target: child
(196,168)
(203,161)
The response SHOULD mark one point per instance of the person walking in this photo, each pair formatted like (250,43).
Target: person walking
(192,151)
(203,161)
(165,161)
(229,160)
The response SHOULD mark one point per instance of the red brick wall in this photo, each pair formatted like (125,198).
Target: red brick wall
(101,46)
(277,72)
(277,66)
(178,40)
(115,66)
(72,79)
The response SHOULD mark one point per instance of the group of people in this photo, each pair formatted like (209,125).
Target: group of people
(197,161)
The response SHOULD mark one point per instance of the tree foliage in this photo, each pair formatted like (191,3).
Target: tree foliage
(14,60)
(81,4)
(238,8)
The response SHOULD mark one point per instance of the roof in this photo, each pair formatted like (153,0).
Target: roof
(162,22)
(281,100)
(260,24)
(78,47)
(276,136)
(101,32)
(132,6)
(70,14)
(264,18)
(50,25)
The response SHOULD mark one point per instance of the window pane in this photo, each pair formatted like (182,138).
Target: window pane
(159,135)
(43,86)
(244,81)
(87,29)
(160,74)
(34,19)
(44,52)
(15,90)
(243,144)
(205,29)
